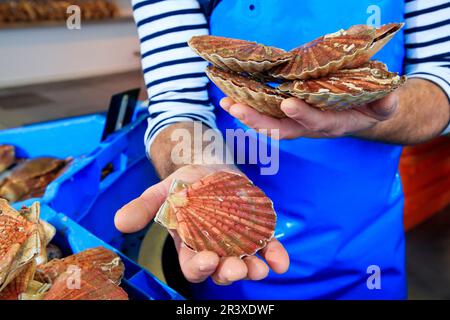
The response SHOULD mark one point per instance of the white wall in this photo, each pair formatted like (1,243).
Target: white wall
(33,55)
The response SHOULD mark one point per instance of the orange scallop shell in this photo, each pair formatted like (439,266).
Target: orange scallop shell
(20,283)
(35,291)
(31,178)
(100,258)
(252,92)
(223,212)
(346,88)
(19,243)
(345,49)
(46,231)
(93,285)
(238,55)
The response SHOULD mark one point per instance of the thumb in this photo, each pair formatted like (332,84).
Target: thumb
(384,108)
(138,213)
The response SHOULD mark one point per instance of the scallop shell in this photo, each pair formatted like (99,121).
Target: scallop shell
(7,157)
(345,49)
(223,212)
(35,291)
(37,167)
(252,92)
(45,230)
(20,283)
(31,178)
(19,243)
(383,35)
(93,285)
(14,231)
(46,233)
(238,55)
(346,88)
(99,258)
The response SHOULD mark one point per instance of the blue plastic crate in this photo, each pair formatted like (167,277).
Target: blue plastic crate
(72,238)
(64,138)
(80,191)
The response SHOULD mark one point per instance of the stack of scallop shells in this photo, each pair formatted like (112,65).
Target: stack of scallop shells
(224,213)
(21,237)
(331,72)
(28,270)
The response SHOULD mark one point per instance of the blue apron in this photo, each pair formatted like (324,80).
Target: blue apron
(339,201)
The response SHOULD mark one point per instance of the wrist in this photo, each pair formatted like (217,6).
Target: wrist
(182,144)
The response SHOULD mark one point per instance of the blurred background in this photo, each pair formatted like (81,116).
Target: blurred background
(37,49)
(48,72)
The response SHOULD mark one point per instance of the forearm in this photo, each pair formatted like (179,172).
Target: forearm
(166,147)
(422,113)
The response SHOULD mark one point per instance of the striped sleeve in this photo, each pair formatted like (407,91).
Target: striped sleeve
(427,37)
(174,74)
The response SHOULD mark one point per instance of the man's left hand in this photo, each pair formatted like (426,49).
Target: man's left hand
(304,120)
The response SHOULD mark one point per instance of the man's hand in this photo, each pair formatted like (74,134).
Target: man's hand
(197,267)
(414,113)
(307,121)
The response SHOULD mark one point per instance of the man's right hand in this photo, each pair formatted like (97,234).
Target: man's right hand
(197,267)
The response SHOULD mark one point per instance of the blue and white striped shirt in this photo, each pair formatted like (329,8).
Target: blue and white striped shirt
(177,84)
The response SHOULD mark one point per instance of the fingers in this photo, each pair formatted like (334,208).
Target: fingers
(328,123)
(276,128)
(233,269)
(138,213)
(308,121)
(226,103)
(197,267)
(382,109)
(230,269)
(312,118)
(340,123)
(257,269)
(276,256)
(253,118)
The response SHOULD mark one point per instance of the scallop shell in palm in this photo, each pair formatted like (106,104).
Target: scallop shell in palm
(345,49)
(238,55)
(223,212)
(346,88)
(254,93)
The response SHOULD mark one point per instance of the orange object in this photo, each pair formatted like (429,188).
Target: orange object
(424,147)
(425,172)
